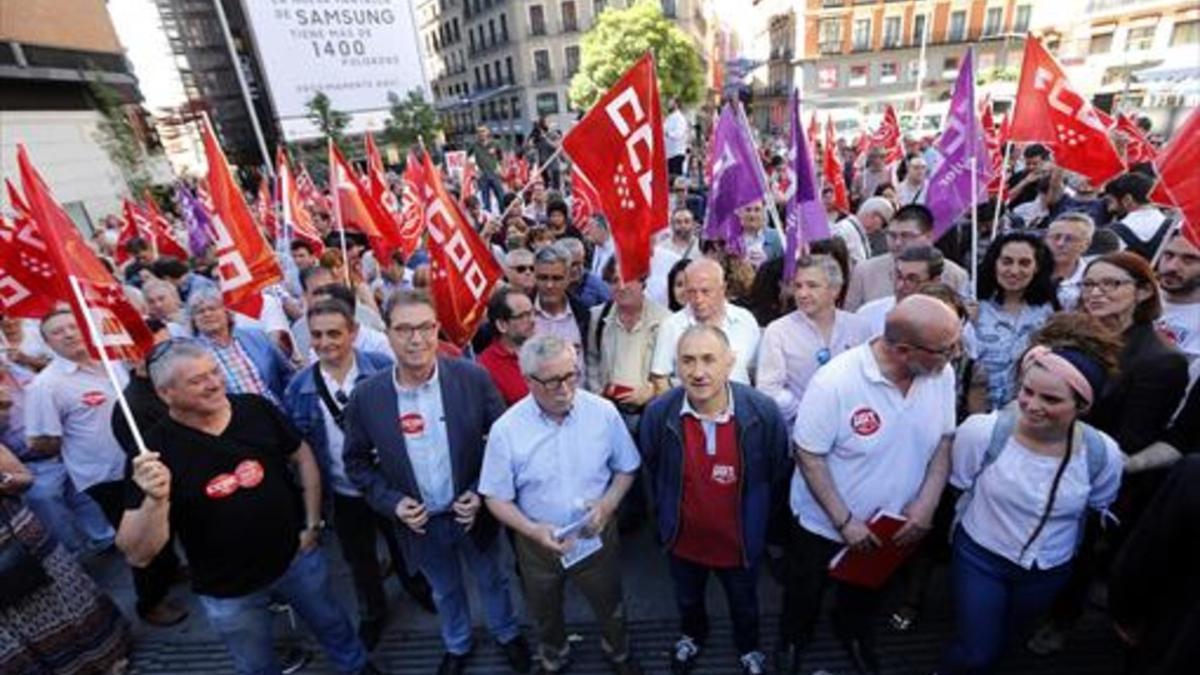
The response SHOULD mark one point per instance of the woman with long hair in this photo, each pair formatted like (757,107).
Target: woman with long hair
(1029,476)
(1016,296)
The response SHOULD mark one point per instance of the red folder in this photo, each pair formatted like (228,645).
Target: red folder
(872,569)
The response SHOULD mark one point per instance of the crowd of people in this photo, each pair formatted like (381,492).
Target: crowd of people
(1030,426)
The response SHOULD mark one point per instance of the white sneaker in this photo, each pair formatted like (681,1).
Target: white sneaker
(754,663)
(684,655)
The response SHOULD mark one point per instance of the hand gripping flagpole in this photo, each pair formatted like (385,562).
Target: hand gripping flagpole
(98,340)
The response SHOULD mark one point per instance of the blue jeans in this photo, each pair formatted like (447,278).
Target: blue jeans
(741,594)
(489,187)
(244,623)
(72,517)
(437,554)
(993,598)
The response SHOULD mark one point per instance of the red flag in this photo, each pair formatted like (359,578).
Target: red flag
(123,333)
(27,286)
(995,148)
(887,136)
(245,261)
(468,181)
(1048,110)
(135,225)
(1178,177)
(463,271)
(357,210)
(412,215)
(165,242)
(831,166)
(585,203)
(618,147)
(310,196)
(295,214)
(1138,148)
(382,194)
(266,208)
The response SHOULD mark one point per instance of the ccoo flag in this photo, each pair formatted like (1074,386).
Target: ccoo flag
(962,146)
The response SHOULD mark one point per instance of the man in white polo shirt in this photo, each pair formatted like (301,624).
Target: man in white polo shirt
(706,304)
(873,433)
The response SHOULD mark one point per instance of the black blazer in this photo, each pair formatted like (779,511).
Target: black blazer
(375,455)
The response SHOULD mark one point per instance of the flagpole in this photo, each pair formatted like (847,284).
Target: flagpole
(98,340)
(536,172)
(1003,182)
(236,63)
(974,183)
(336,182)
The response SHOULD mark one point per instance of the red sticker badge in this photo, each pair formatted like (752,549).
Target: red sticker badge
(249,473)
(222,486)
(94,399)
(865,421)
(412,424)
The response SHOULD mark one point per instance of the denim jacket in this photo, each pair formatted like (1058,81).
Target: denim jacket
(1001,339)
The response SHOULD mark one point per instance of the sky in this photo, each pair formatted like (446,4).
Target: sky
(140,31)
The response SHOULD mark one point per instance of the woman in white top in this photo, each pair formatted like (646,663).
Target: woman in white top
(1029,475)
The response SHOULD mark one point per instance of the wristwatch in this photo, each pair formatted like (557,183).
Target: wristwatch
(315,527)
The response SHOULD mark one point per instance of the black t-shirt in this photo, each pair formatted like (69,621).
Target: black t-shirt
(235,504)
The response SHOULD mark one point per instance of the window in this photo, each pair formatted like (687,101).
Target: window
(992,21)
(1021,22)
(478,79)
(831,36)
(891,32)
(918,29)
(1185,33)
(862,34)
(1100,44)
(515,104)
(569,20)
(541,65)
(599,6)
(1141,39)
(958,26)
(668,7)
(504,28)
(889,73)
(457,35)
(471,39)
(492,30)
(950,67)
(547,104)
(858,76)
(914,70)
(827,77)
(537,20)
(487,75)
(572,54)
(508,67)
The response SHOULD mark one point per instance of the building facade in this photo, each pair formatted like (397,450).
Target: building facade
(867,54)
(52,56)
(506,63)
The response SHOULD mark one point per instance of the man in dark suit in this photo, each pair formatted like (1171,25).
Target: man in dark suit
(409,463)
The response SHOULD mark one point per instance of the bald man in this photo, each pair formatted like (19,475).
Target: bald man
(706,304)
(873,433)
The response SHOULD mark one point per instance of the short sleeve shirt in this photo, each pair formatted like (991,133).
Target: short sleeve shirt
(740,327)
(76,404)
(876,440)
(235,503)
(553,470)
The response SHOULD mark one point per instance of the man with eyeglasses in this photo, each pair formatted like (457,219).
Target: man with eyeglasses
(874,278)
(555,311)
(557,466)
(1068,238)
(873,432)
(510,314)
(518,270)
(411,461)
(229,475)
(315,401)
(915,267)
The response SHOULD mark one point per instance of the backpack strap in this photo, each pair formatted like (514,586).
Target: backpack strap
(1006,421)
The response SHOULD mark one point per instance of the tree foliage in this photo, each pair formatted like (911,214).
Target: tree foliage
(620,37)
(330,121)
(116,135)
(412,118)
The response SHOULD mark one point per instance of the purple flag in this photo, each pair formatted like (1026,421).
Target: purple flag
(735,181)
(195,217)
(962,145)
(806,217)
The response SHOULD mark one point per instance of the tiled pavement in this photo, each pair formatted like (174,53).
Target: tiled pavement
(412,646)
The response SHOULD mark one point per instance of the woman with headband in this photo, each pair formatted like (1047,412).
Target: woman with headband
(1029,474)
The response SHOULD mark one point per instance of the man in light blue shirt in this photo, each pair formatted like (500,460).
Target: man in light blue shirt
(556,467)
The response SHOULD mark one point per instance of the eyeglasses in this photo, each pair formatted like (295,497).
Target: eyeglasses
(556,382)
(552,278)
(1106,285)
(404,332)
(522,269)
(945,352)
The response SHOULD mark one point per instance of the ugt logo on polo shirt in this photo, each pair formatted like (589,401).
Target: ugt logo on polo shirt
(412,424)
(865,421)
(93,398)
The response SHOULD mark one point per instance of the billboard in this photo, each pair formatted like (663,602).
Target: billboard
(355,51)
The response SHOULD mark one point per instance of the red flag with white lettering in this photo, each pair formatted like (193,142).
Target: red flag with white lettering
(1048,110)
(585,203)
(618,147)
(27,285)
(1138,148)
(462,269)
(1178,177)
(123,333)
(412,213)
(887,136)
(991,136)
(165,243)
(831,166)
(246,263)
(265,205)
(134,225)
(358,210)
(382,193)
(467,190)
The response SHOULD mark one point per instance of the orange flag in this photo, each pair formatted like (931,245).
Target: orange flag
(295,213)
(356,210)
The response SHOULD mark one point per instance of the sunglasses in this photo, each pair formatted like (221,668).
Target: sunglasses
(163,348)
(522,269)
